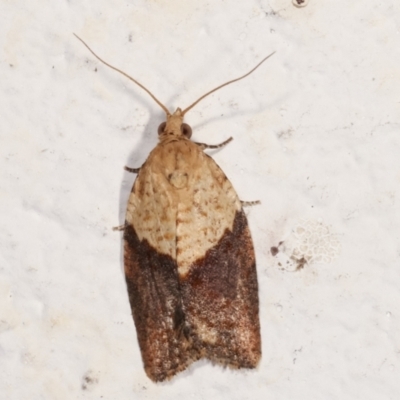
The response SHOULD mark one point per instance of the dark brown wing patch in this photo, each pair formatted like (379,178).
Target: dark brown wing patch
(155,299)
(220,300)
(212,313)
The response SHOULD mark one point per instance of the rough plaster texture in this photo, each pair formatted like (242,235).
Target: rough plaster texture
(316,139)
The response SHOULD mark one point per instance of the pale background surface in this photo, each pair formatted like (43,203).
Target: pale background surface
(316,139)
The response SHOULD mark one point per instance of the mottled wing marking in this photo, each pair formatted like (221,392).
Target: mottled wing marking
(182,202)
(154,295)
(219,285)
(205,212)
(152,209)
(220,300)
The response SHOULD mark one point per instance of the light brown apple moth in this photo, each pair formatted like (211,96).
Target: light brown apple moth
(189,258)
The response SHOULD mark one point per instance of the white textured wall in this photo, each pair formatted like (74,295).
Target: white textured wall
(317,140)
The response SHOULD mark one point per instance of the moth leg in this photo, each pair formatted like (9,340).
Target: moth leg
(250,203)
(119,228)
(133,170)
(214,146)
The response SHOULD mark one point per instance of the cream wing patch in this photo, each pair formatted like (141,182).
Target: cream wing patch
(205,215)
(182,202)
(152,210)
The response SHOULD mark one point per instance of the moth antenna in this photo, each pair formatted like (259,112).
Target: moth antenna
(123,73)
(226,83)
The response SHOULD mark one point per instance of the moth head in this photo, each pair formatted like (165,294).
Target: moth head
(174,126)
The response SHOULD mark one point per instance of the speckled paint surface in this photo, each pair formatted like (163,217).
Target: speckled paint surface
(316,139)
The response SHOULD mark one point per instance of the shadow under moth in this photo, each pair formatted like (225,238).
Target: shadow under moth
(188,256)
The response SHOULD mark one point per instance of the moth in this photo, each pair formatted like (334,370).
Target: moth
(188,255)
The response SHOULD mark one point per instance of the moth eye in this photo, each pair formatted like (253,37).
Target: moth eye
(186,130)
(161,128)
